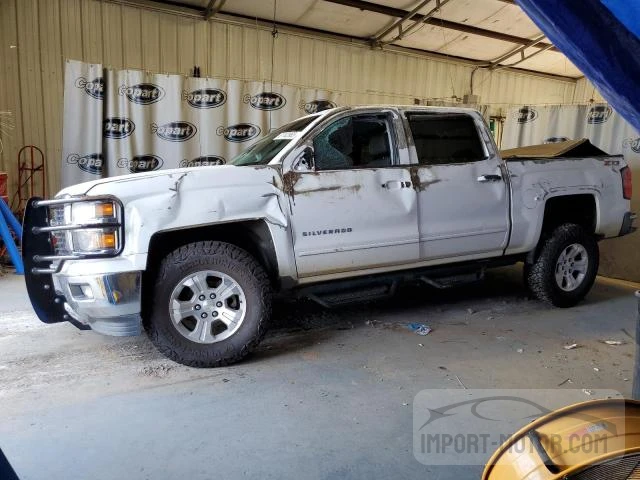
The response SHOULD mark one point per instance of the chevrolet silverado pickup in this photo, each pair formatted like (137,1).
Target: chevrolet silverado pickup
(337,206)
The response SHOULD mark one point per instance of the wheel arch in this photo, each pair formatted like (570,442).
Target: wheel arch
(580,209)
(253,236)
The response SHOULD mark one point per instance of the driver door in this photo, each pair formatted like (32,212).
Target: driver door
(355,209)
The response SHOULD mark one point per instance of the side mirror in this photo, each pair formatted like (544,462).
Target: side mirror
(304,163)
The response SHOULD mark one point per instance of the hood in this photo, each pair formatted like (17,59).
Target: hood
(205,177)
(190,197)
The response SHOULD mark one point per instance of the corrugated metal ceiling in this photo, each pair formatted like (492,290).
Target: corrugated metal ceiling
(480,30)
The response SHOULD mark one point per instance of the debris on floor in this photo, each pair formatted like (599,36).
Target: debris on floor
(586,391)
(420,328)
(568,380)
(613,342)
(571,347)
(520,350)
(460,382)
(159,371)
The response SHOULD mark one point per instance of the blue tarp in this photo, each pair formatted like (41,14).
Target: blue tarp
(594,35)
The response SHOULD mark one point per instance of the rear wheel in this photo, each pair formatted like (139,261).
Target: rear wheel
(211,304)
(566,268)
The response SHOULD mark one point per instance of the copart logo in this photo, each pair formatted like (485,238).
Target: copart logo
(204,161)
(90,163)
(265,101)
(205,98)
(599,114)
(315,106)
(93,88)
(175,131)
(142,93)
(527,115)
(141,163)
(632,143)
(117,127)
(241,132)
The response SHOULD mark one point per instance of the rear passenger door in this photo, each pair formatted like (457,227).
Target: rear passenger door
(463,197)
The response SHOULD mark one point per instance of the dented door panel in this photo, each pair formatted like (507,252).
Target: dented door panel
(534,182)
(345,220)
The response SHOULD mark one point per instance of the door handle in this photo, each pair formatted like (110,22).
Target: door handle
(396,184)
(489,178)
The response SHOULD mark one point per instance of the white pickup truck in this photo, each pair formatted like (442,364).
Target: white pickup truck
(338,206)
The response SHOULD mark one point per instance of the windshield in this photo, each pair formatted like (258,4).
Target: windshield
(263,151)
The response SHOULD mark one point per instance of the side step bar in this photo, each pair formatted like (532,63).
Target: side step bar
(367,289)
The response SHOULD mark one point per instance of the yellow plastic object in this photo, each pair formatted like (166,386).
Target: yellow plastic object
(108,240)
(572,439)
(104,210)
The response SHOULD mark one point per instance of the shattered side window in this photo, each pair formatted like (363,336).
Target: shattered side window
(332,147)
(360,141)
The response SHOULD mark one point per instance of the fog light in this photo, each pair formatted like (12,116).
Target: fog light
(81,291)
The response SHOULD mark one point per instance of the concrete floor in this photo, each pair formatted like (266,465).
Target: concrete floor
(327,395)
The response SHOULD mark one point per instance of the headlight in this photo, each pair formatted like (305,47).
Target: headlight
(95,240)
(94,212)
(92,227)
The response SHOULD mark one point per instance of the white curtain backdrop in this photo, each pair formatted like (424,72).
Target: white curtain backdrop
(127,121)
(530,125)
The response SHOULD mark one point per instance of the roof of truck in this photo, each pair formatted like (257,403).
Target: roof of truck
(409,108)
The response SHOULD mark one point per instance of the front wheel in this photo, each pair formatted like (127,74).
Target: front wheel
(211,304)
(566,268)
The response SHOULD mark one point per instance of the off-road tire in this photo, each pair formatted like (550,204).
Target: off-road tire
(540,276)
(225,258)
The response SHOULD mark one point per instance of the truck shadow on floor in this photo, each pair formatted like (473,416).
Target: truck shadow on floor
(296,324)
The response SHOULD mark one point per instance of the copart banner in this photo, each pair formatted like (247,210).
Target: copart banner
(119,122)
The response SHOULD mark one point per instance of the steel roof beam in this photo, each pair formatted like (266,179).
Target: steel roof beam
(523,59)
(515,51)
(398,23)
(460,27)
(417,23)
(180,8)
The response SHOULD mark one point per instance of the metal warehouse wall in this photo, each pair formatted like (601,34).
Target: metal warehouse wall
(585,92)
(37,35)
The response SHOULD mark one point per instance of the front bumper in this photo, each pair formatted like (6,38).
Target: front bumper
(107,302)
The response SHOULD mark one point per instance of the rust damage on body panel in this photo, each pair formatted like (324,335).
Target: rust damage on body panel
(291,178)
(289,181)
(417,184)
(352,188)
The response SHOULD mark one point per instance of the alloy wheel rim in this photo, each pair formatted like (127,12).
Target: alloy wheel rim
(571,267)
(207,306)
